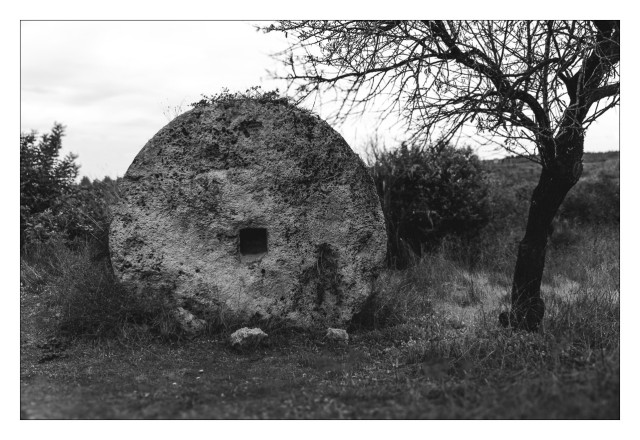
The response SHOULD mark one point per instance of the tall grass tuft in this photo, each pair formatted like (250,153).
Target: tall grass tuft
(76,287)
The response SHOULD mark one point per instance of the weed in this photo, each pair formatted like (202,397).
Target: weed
(253,93)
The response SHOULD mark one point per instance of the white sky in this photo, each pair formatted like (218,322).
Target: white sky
(111,83)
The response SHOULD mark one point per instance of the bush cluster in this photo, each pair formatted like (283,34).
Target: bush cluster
(52,204)
(427,194)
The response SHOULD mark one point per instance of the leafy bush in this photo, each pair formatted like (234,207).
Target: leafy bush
(87,209)
(52,204)
(428,194)
(45,181)
(508,202)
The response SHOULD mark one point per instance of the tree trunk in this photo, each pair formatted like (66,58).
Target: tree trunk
(556,179)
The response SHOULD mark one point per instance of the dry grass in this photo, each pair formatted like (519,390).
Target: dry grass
(78,296)
(432,348)
(449,313)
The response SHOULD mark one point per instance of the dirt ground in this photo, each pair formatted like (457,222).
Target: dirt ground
(294,375)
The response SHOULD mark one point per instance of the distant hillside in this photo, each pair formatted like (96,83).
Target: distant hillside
(516,169)
(594,199)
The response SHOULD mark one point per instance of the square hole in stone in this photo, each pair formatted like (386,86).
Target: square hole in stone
(253,241)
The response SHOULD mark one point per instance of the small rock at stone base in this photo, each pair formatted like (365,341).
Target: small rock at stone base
(188,322)
(247,336)
(338,335)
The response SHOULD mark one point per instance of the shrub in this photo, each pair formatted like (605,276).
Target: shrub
(508,202)
(87,210)
(45,181)
(52,204)
(428,194)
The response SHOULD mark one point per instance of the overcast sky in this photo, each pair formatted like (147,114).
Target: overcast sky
(113,83)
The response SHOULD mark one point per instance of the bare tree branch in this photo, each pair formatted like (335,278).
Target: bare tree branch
(502,76)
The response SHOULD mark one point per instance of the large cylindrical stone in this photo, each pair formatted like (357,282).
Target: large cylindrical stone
(249,210)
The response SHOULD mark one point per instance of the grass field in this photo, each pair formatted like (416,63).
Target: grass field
(431,349)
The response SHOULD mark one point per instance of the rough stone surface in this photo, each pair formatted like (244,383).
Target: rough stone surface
(337,335)
(246,336)
(188,322)
(314,234)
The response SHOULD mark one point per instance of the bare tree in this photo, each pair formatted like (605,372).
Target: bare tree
(534,85)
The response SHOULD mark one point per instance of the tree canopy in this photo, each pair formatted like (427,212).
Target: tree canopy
(518,80)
